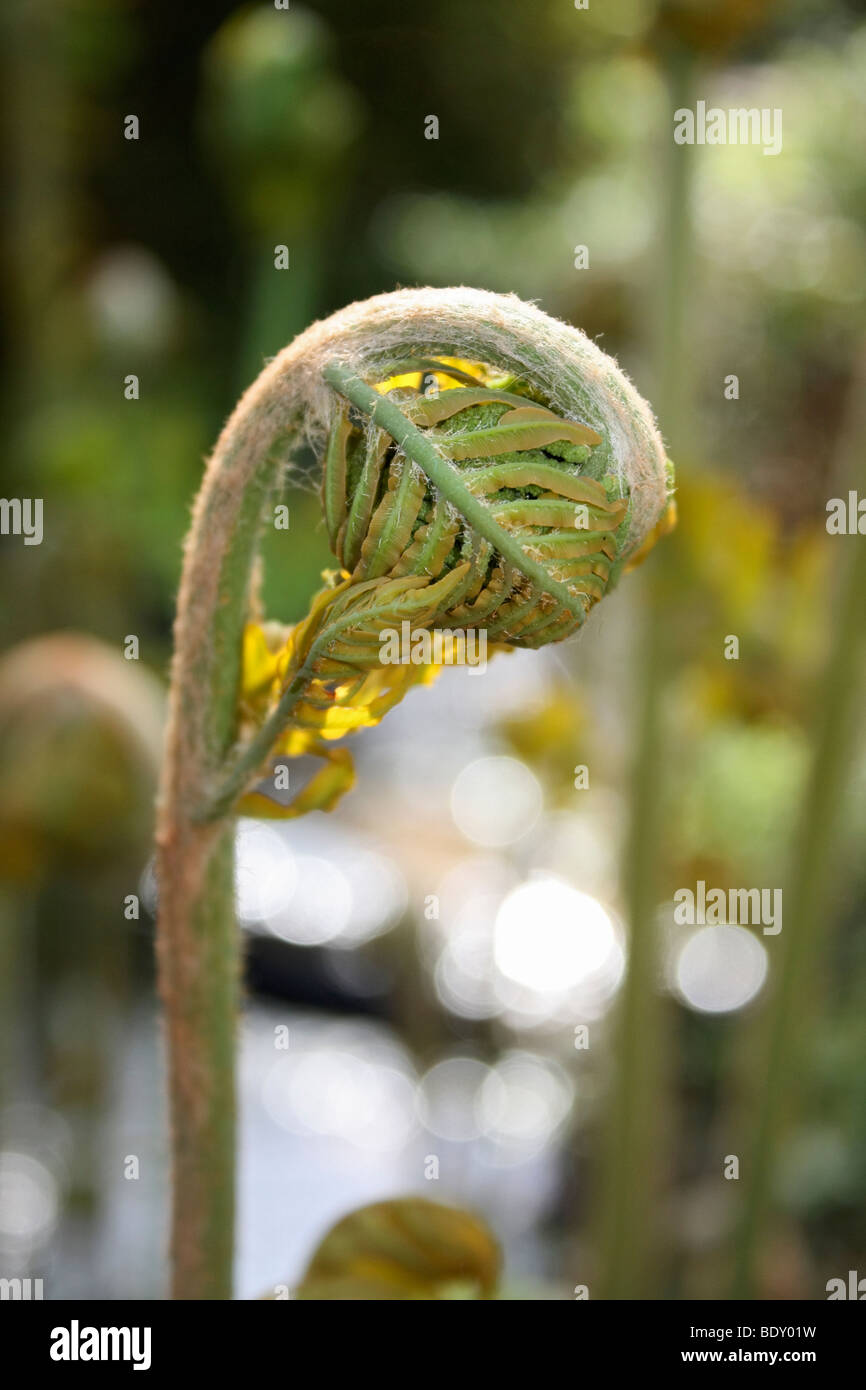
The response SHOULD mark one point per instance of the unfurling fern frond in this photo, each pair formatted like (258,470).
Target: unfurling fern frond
(486,471)
(457,496)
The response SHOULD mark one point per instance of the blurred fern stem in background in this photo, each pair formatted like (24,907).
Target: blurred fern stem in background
(631,1238)
(813,873)
(484,467)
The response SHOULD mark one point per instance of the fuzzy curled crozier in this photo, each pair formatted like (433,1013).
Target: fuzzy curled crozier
(532,566)
(567,369)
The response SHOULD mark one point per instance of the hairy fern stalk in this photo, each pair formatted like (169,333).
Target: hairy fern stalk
(484,467)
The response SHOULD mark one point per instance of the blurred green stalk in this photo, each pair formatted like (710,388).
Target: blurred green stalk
(628,1262)
(809,892)
(629,1257)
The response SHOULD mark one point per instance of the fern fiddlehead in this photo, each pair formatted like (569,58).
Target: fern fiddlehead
(483,467)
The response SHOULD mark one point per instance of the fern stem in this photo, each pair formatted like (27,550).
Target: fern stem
(198,945)
(810,891)
(199,958)
(631,1252)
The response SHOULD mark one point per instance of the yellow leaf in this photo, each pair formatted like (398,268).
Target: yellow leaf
(259,665)
(321,793)
(412,380)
